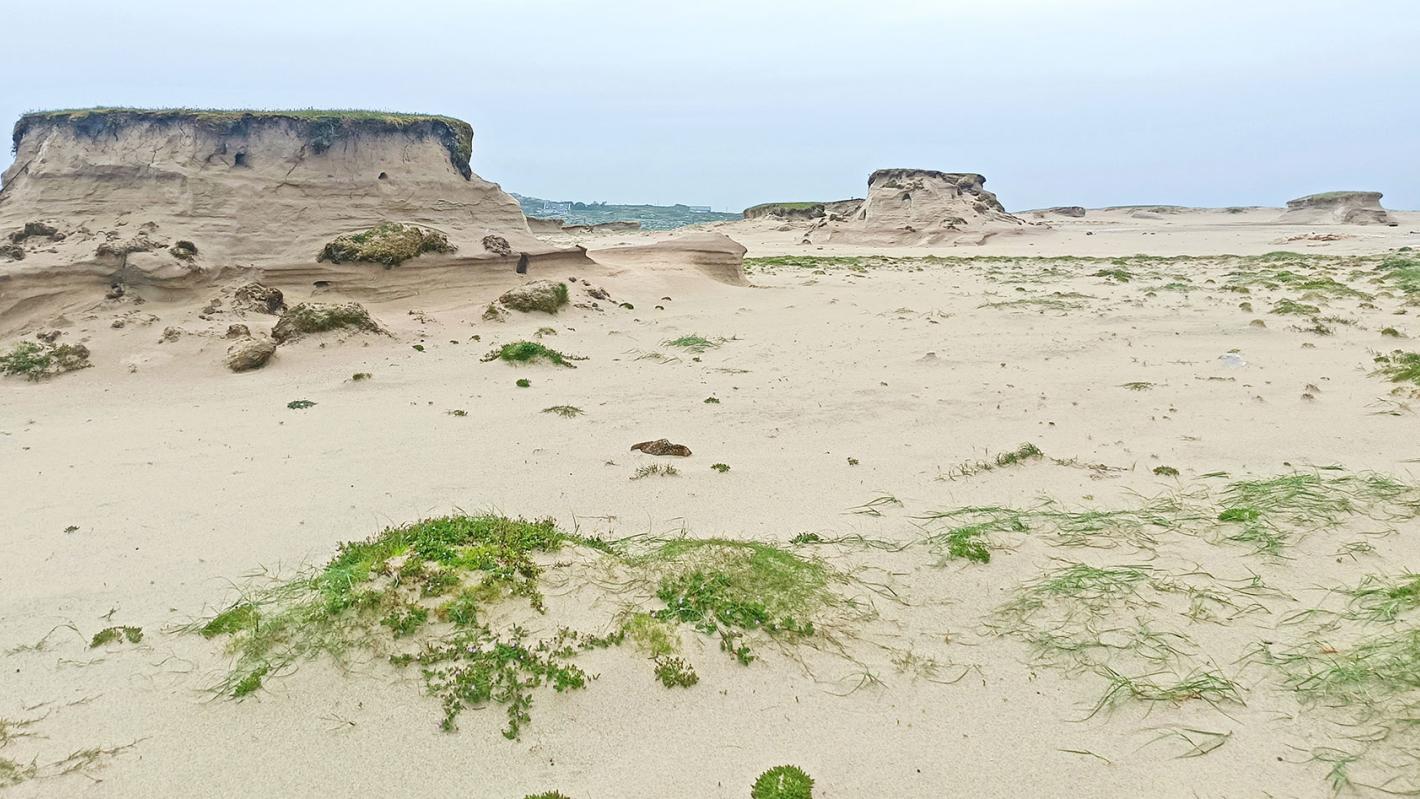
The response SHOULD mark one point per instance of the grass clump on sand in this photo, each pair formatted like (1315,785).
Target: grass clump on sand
(694,342)
(390,244)
(530,352)
(783,782)
(548,795)
(1403,272)
(565,411)
(397,585)
(1025,453)
(655,470)
(1399,367)
(727,589)
(38,360)
(114,635)
(1294,308)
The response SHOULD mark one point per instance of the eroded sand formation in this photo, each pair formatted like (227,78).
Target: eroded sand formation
(904,207)
(1337,207)
(161,203)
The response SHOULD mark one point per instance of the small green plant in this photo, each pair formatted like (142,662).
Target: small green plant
(1293,308)
(712,400)
(111,635)
(655,470)
(523,382)
(300,404)
(720,467)
(1138,385)
(565,411)
(675,673)
(1390,332)
(361,376)
(530,352)
(1165,471)
(548,795)
(783,782)
(418,348)
(458,412)
(694,343)
(852,461)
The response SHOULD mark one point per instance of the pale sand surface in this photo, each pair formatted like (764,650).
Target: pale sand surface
(182,477)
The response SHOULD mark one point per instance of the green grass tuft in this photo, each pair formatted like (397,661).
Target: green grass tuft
(783,782)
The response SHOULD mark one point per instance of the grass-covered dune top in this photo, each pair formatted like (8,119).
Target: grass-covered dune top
(320,128)
(783,209)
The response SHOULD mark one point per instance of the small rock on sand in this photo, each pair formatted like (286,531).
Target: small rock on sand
(662,446)
(249,353)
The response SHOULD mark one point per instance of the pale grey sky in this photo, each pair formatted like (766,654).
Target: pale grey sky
(729,103)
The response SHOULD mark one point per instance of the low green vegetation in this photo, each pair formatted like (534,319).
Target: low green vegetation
(565,411)
(390,244)
(523,382)
(675,673)
(694,342)
(300,404)
(1399,367)
(444,595)
(37,360)
(114,635)
(530,352)
(655,470)
(783,782)
(720,467)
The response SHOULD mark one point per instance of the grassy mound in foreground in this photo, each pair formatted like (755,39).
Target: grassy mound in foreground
(435,594)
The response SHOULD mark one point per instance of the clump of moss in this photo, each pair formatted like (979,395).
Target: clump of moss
(38,360)
(523,382)
(112,635)
(391,244)
(529,352)
(783,782)
(319,317)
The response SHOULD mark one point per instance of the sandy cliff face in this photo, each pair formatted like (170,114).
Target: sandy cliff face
(918,207)
(179,200)
(256,190)
(1337,207)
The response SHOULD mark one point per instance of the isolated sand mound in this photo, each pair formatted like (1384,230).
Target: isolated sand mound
(917,207)
(1337,208)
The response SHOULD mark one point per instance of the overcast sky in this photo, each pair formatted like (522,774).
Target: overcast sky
(730,103)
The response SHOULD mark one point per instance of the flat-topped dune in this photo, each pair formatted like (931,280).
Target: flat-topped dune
(1337,207)
(177,200)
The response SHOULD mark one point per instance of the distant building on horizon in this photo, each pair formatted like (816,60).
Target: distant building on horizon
(700,209)
(556,208)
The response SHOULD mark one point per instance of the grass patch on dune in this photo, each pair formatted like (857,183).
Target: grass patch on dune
(530,352)
(1399,367)
(728,589)
(443,596)
(694,342)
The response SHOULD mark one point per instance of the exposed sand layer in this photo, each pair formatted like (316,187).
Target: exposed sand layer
(859,400)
